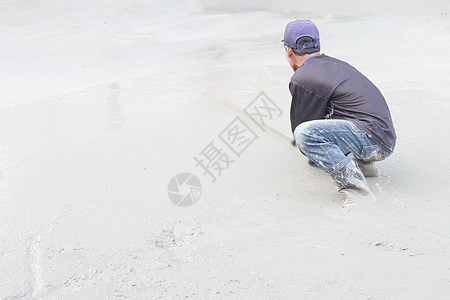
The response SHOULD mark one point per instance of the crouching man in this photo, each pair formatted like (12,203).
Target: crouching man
(339,119)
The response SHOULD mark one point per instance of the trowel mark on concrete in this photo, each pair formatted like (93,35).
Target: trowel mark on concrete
(36,266)
(113,107)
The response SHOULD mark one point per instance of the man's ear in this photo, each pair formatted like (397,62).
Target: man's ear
(289,52)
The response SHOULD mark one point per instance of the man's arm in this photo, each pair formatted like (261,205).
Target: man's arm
(306,105)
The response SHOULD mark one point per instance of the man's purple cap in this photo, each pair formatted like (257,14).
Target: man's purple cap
(300,28)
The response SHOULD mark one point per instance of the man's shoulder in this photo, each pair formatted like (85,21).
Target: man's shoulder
(322,67)
(325,61)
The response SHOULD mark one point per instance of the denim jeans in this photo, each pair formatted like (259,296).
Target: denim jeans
(328,142)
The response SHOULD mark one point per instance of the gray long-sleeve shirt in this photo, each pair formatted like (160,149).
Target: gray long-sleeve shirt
(327,88)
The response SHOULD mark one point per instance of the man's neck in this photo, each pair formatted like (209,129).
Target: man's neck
(301,59)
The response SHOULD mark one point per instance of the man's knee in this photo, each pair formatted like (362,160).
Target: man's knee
(304,135)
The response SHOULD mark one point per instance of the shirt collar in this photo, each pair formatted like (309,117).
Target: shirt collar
(312,57)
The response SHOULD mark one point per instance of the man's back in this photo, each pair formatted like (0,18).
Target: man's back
(325,87)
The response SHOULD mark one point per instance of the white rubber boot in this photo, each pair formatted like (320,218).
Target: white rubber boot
(369,169)
(350,181)
(360,195)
